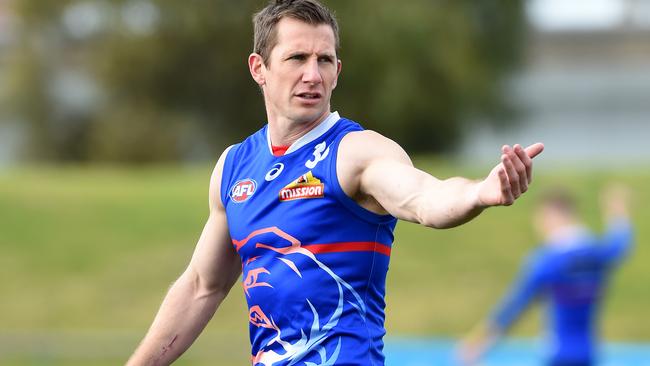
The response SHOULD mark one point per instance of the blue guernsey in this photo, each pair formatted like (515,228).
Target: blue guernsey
(572,276)
(314,262)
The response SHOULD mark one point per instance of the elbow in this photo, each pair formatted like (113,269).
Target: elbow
(211,292)
(436,212)
(212,289)
(424,216)
(434,224)
(204,288)
(438,220)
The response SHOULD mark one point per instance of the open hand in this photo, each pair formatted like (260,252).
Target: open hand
(510,178)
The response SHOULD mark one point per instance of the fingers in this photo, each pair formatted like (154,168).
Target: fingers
(511,177)
(514,171)
(506,191)
(527,161)
(523,168)
(518,166)
(534,149)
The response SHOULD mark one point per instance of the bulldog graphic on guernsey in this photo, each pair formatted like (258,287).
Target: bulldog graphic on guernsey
(306,186)
(281,345)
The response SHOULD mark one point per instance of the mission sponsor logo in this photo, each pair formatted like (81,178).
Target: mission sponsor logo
(243,190)
(306,186)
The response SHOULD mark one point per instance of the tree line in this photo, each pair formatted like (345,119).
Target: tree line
(146,81)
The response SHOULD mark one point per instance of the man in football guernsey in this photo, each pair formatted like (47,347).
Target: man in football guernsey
(304,210)
(570,271)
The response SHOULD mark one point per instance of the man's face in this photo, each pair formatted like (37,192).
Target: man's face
(301,72)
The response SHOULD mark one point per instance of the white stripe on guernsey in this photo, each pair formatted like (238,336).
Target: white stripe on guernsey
(312,135)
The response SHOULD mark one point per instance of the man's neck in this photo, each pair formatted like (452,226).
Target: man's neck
(284,132)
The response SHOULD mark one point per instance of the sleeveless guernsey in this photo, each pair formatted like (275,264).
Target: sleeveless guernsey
(314,262)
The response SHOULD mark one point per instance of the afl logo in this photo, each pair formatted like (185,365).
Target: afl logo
(243,190)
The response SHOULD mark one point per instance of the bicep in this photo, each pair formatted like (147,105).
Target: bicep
(398,186)
(374,168)
(215,263)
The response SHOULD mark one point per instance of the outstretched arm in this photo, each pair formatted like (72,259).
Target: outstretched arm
(378,174)
(195,296)
(618,237)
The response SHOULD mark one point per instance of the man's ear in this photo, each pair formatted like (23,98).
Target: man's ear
(339,66)
(256,66)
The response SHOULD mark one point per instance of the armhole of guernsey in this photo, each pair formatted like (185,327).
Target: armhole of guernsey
(342,197)
(226,174)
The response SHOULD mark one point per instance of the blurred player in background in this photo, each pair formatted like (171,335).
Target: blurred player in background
(570,271)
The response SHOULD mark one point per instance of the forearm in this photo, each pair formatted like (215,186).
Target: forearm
(185,311)
(618,238)
(449,203)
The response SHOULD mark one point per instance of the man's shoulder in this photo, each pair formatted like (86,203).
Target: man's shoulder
(366,145)
(367,138)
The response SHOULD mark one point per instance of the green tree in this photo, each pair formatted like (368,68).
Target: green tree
(416,70)
(166,80)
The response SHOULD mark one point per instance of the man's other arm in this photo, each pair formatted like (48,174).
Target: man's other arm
(193,299)
(377,173)
(522,292)
(619,235)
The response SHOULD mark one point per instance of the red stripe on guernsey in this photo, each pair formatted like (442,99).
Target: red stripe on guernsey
(352,246)
(362,246)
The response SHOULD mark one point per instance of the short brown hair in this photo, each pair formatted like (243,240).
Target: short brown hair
(308,11)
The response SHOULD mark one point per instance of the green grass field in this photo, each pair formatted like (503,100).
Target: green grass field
(87,253)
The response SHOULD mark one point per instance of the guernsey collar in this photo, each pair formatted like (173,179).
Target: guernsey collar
(310,136)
